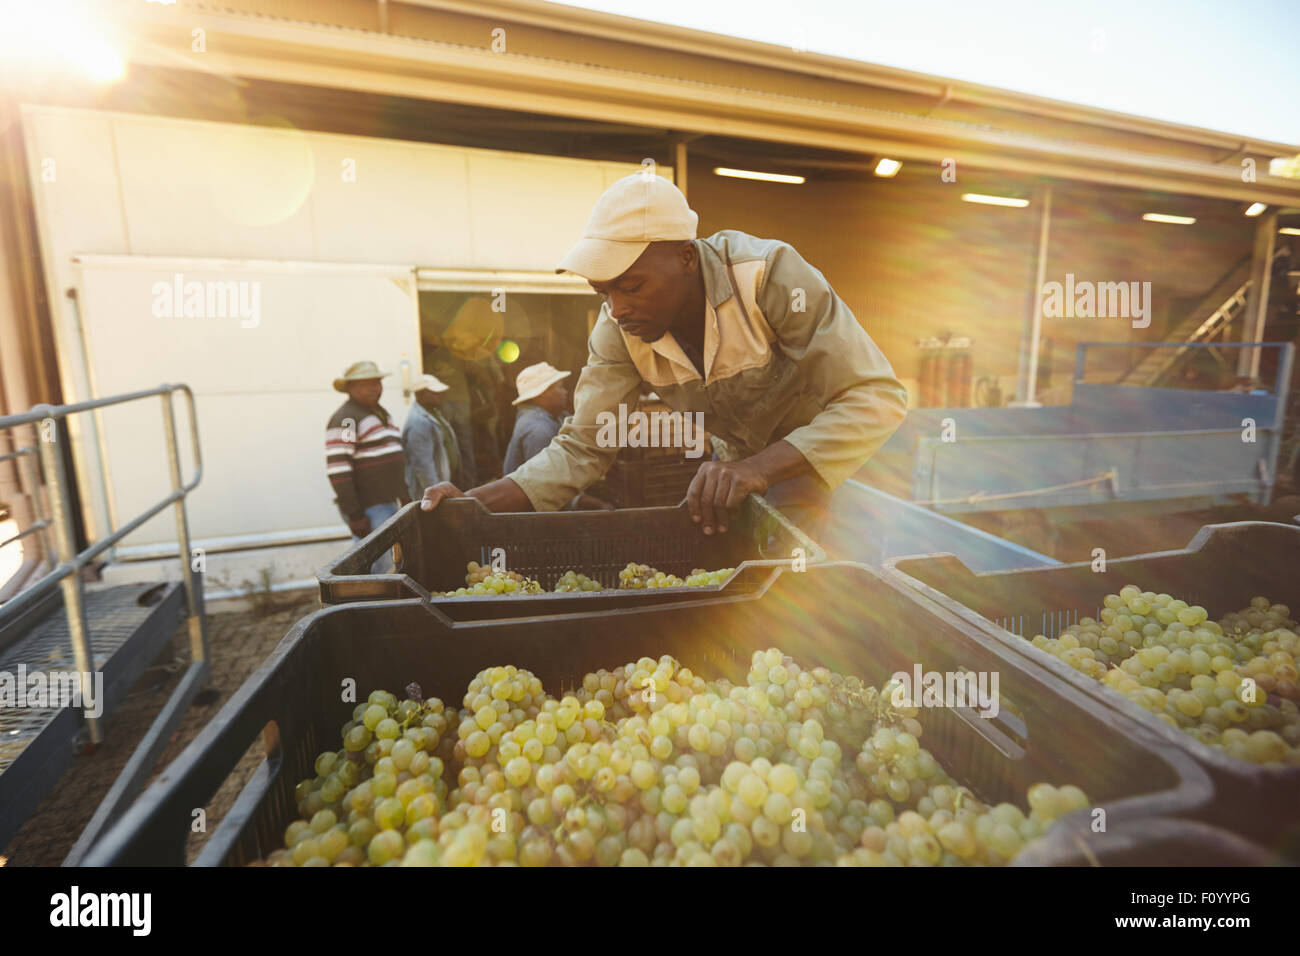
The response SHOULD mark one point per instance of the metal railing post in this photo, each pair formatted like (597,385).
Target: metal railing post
(194,601)
(52,460)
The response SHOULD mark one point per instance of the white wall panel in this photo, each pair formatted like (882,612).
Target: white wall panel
(263,393)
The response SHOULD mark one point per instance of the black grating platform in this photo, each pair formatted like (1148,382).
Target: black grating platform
(127,628)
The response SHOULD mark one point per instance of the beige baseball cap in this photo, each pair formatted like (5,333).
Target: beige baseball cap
(536,379)
(632,213)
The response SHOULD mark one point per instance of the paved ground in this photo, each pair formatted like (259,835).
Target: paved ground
(238,642)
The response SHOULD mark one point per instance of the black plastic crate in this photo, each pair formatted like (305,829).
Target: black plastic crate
(1223,567)
(657,481)
(432,548)
(848,617)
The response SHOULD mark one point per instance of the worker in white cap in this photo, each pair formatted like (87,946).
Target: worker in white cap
(541,404)
(432,452)
(793,391)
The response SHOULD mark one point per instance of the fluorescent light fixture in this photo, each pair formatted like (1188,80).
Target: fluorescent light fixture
(888,167)
(1161,217)
(1289,231)
(994,200)
(1256,208)
(751,174)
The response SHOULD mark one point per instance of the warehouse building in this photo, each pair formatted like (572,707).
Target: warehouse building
(273,189)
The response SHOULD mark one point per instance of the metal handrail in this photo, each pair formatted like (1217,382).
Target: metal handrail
(66,572)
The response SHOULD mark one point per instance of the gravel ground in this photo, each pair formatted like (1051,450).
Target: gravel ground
(238,642)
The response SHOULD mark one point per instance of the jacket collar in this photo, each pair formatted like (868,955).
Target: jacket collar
(717,286)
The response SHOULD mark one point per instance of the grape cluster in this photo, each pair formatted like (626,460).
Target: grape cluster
(1231,684)
(648,764)
(639,576)
(576,581)
(481,580)
(368,798)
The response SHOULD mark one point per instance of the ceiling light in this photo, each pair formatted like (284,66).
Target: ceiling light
(1256,208)
(1290,231)
(994,200)
(751,174)
(1162,217)
(888,167)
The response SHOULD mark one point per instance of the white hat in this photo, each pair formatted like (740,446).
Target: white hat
(632,213)
(536,379)
(430,382)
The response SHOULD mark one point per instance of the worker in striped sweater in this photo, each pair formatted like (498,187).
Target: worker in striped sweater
(363,456)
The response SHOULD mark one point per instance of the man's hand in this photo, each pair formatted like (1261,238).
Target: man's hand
(360,527)
(719,486)
(436,493)
(497,496)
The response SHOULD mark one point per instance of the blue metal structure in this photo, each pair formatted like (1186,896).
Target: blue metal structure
(1112,444)
(871,526)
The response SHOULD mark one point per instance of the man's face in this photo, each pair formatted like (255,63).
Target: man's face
(429,398)
(647,298)
(366,391)
(554,400)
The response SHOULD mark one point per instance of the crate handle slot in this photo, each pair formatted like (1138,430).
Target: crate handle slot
(246,803)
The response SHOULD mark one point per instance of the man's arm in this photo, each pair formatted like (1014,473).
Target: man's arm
(574,459)
(863,402)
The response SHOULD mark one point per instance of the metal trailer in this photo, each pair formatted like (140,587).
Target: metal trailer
(104,638)
(1115,447)
(872,526)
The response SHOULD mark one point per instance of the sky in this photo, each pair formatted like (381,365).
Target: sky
(1230,65)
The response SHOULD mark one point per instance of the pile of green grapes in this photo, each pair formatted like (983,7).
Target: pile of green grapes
(481,580)
(1231,684)
(648,764)
(639,576)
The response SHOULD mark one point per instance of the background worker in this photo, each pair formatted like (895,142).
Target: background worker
(429,441)
(794,392)
(541,405)
(363,455)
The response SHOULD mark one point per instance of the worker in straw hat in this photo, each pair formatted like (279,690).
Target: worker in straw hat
(363,453)
(432,452)
(794,392)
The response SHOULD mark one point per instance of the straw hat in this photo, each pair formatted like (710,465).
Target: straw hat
(536,379)
(632,213)
(359,372)
(430,383)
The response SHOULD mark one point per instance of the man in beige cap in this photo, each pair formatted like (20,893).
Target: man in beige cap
(363,453)
(542,402)
(794,392)
(432,452)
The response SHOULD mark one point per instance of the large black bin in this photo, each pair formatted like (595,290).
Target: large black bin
(1223,567)
(848,617)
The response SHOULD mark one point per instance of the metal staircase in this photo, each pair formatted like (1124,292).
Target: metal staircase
(1224,301)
